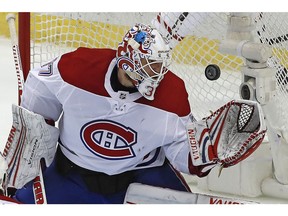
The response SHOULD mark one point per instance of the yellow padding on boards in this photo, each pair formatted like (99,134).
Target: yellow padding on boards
(75,33)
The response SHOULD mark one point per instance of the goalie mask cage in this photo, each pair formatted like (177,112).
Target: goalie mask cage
(51,34)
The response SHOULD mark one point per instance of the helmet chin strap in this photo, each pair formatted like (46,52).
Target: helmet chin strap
(133,75)
(146,87)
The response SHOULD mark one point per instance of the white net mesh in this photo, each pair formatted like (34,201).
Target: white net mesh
(244,117)
(272,29)
(56,33)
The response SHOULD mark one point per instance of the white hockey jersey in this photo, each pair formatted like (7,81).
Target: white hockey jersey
(104,130)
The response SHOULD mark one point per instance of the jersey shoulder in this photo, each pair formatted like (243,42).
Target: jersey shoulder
(171,95)
(85,67)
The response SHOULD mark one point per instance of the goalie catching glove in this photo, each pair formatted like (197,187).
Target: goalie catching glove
(30,140)
(227,136)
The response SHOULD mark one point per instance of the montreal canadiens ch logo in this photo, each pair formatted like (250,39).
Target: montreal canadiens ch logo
(109,139)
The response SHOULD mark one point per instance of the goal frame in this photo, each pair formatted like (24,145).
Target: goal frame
(24,42)
(26,36)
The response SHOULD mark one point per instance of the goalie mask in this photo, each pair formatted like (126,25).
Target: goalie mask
(144,56)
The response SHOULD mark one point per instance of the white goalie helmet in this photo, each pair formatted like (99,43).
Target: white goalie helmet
(145,56)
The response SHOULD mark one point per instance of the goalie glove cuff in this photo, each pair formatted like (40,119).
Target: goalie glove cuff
(201,148)
(201,170)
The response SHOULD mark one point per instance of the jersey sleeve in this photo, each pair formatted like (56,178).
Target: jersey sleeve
(40,91)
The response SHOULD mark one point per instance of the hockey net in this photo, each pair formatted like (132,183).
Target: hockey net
(55,33)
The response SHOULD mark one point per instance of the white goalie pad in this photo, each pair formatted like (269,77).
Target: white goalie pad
(145,194)
(229,135)
(30,140)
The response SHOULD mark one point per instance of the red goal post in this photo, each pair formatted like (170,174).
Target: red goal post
(24,40)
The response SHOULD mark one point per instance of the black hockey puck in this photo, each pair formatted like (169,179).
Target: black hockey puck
(212,72)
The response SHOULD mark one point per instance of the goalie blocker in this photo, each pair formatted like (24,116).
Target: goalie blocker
(30,140)
(227,136)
